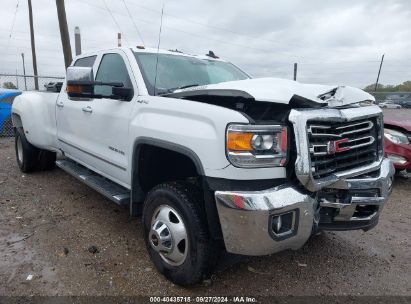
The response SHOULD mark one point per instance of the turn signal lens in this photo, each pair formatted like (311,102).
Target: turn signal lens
(74,89)
(240,141)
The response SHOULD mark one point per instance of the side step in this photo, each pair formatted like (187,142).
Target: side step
(109,189)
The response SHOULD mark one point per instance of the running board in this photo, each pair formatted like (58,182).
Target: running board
(109,189)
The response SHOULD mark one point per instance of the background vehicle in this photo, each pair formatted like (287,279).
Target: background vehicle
(6,97)
(389,105)
(397,142)
(211,158)
(402,99)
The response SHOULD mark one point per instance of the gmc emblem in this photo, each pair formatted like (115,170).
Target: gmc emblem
(333,147)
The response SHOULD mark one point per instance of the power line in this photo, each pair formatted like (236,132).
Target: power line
(192,34)
(14,19)
(12,24)
(202,36)
(114,19)
(225,29)
(132,20)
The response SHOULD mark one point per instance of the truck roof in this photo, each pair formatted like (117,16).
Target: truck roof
(140,49)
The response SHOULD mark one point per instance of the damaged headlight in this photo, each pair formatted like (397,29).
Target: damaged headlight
(252,146)
(396,137)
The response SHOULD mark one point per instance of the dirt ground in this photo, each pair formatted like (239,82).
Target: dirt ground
(49,220)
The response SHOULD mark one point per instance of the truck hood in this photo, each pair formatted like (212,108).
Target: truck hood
(398,117)
(279,91)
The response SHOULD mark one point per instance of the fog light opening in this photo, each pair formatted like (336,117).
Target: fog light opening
(283,225)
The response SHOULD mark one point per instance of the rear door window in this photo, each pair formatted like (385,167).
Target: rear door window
(86,62)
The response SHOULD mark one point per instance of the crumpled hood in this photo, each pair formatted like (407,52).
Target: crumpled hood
(279,91)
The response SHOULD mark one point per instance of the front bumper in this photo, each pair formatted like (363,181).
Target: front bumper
(252,222)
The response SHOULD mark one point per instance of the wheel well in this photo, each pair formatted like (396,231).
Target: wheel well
(156,165)
(156,162)
(17,123)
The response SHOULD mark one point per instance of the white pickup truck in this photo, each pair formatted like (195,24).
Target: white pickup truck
(212,158)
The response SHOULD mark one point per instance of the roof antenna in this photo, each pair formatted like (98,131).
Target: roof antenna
(158,48)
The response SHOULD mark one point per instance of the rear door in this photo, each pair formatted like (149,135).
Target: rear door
(71,120)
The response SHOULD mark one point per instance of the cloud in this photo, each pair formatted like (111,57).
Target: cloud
(333,42)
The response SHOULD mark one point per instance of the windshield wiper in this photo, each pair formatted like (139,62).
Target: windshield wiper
(180,88)
(187,86)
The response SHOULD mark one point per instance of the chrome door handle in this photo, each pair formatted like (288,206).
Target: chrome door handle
(60,104)
(87,109)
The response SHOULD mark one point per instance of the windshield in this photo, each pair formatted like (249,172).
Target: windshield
(177,72)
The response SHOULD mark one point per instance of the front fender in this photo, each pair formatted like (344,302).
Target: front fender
(197,126)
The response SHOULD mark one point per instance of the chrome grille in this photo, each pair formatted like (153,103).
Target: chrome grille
(336,147)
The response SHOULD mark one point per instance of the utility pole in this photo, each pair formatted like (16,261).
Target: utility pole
(33,48)
(24,72)
(77,40)
(119,39)
(379,71)
(295,71)
(17,80)
(65,38)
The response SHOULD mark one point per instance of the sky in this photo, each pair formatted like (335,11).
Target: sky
(333,42)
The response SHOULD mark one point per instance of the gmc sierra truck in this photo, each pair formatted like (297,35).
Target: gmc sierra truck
(211,158)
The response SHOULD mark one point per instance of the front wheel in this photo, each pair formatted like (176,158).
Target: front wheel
(176,233)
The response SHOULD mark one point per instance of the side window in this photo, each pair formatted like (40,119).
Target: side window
(86,62)
(112,69)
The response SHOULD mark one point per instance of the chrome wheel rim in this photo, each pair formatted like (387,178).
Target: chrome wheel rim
(168,235)
(19,150)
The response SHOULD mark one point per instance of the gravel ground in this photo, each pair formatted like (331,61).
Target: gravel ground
(49,221)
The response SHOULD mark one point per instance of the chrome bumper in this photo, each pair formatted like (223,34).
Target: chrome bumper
(251,221)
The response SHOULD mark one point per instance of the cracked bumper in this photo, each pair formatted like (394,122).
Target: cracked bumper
(251,221)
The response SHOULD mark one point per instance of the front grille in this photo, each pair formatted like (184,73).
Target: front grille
(336,147)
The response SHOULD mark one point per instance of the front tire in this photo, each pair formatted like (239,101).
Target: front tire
(176,234)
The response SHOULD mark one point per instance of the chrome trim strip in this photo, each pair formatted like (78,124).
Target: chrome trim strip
(91,154)
(311,127)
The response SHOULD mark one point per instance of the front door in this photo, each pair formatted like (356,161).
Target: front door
(98,133)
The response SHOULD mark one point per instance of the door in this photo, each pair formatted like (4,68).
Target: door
(96,132)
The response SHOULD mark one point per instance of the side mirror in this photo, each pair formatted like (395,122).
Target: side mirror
(80,82)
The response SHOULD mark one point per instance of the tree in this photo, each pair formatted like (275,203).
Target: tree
(371,87)
(9,85)
(404,87)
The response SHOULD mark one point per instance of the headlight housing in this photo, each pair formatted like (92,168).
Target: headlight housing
(396,137)
(256,146)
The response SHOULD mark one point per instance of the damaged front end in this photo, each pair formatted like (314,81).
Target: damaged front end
(337,177)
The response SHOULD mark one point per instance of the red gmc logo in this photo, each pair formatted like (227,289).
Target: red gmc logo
(333,147)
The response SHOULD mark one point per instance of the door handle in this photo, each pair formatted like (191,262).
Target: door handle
(60,104)
(87,109)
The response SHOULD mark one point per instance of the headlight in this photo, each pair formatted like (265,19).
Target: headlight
(252,146)
(396,137)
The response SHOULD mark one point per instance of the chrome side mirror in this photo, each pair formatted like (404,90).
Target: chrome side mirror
(79,76)
(80,82)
